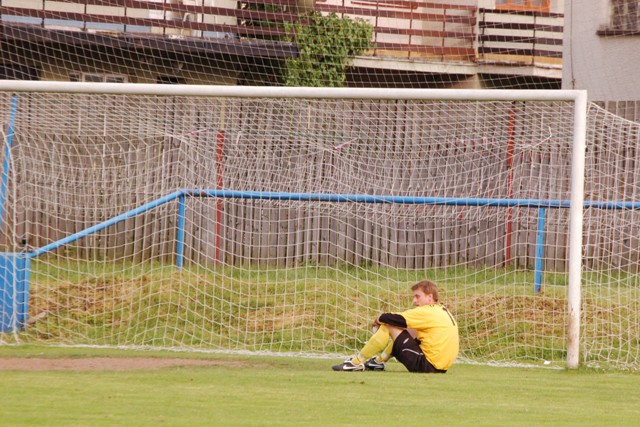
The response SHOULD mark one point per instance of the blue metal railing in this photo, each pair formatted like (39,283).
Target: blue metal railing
(181,195)
(14,267)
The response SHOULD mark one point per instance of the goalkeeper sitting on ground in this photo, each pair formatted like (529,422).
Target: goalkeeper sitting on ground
(423,339)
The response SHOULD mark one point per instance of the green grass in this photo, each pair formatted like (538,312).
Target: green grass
(274,391)
(321,310)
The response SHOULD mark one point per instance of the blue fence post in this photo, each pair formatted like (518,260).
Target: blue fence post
(180,234)
(14,290)
(537,280)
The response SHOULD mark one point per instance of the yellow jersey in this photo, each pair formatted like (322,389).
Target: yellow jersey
(437,331)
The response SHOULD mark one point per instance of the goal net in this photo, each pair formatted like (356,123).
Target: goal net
(283,221)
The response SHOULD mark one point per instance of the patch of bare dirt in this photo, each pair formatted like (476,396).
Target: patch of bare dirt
(105,363)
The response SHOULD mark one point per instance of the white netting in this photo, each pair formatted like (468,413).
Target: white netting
(611,284)
(78,160)
(520,44)
(305,277)
(282,276)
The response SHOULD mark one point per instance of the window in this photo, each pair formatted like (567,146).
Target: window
(528,5)
(97,77)
(18,72)
(624,15)
(170,80)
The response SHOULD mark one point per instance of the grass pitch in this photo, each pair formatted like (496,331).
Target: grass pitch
(311,309)
(278,391)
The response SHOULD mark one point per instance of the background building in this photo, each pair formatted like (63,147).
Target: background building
(602,53)
(439,43)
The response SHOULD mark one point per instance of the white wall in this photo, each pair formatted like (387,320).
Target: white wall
(607,67)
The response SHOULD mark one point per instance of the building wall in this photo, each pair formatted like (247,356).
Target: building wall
(439,43)
(608,67)
(59,63)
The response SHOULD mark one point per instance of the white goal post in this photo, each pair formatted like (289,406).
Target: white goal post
(339,122)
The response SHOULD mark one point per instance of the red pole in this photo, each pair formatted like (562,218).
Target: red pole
(510,148)
(219,185)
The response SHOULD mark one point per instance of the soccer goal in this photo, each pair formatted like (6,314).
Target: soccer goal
(282,220)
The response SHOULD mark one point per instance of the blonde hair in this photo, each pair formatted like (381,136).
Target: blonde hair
(428,287)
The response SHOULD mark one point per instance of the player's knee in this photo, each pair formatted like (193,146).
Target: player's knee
(394,331)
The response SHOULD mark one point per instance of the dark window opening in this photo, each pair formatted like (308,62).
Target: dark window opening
(18,72)
(624,15)
(170,80)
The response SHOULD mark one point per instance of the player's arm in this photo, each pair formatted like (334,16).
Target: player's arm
(393,319)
